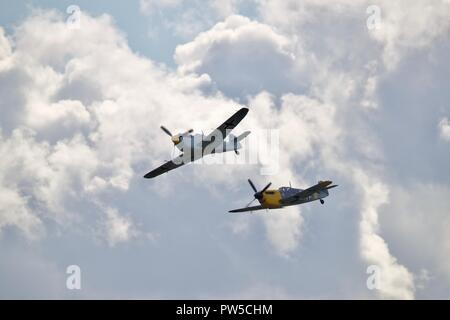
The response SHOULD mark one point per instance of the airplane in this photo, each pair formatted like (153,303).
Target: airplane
(286,196)
(194,147)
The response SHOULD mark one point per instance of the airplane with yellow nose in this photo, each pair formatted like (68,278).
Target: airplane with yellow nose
(286,196)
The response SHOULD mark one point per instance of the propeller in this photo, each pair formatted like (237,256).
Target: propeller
(166,131)
(252,185)
(176,139)
(187,132)
(258,194)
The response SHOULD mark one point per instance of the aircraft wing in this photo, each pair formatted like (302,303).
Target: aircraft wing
(307,192)
(224,129)
(255,208)
(166,167)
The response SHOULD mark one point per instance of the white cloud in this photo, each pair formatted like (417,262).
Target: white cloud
(149,6)
(5,47)
(419,212)
(407,25)
(396,282)
(65,114)
(118,228)
(284,229)
(61,149)
(186,18)
(444,129)
(14,211)
(233,52)
(225,8)
(404,26)
(222,8)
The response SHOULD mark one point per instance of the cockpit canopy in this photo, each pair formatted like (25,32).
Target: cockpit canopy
(287,191)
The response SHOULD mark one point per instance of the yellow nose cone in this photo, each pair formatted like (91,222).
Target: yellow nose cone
(176,140)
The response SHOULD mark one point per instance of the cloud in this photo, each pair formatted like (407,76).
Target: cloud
(185,19)
(15,212)
(233,52)
(409,25)
(149,6)
(5,47)
(118,228)
(396,281)
(19,159)
(404,26)
(444,129)
(225,8)
(419,230)
(222,8)
(55,150)
(285,232)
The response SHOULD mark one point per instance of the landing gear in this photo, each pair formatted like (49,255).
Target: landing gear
(321,201)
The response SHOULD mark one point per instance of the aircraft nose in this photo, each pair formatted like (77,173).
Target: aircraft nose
(176,139)
(258,195)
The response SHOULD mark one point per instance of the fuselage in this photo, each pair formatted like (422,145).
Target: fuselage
(272,199)
(195,144)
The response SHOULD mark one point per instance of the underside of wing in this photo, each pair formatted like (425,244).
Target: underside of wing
(218,135)
(166,167)
(255,208)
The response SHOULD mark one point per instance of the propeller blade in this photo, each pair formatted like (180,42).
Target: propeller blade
(187,132)
(252,185)
(166,131)
(267,187)
(248,205)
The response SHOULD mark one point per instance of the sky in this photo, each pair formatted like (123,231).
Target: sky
(356,92)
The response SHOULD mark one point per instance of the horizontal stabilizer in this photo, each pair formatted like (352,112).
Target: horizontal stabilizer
(243,136)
